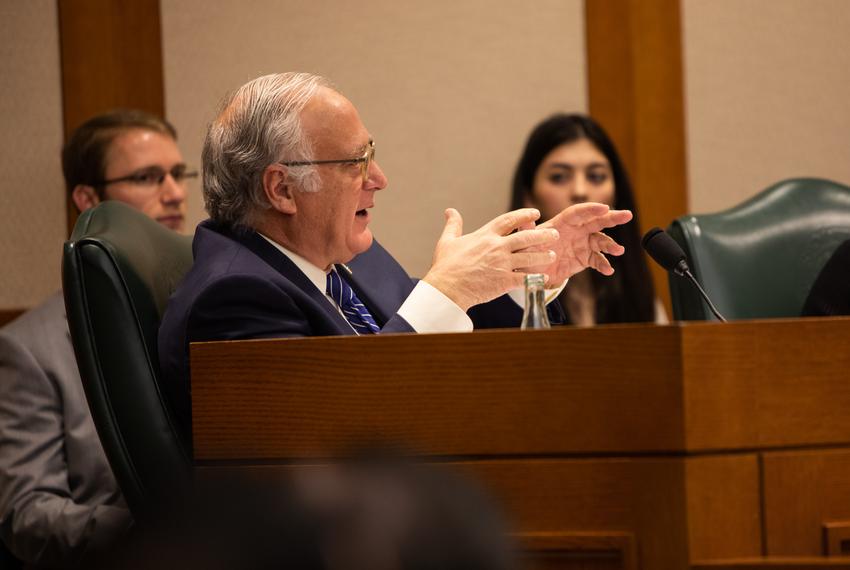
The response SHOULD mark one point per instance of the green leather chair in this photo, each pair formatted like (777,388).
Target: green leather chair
(760,258)
(119,268)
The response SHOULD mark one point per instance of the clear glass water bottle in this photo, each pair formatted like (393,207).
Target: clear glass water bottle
(535,303)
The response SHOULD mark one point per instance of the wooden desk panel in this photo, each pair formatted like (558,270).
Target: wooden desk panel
(723,506)
(476,394)
(632,389)
(767,384)
(720,444)
(804,492)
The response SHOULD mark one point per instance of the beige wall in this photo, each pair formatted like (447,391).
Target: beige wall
(448,89)
(767,95)
(32,204)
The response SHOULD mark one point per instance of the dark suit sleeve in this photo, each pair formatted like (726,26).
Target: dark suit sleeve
(397,324)
(502,312)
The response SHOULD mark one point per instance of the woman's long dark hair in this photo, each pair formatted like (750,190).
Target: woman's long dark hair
(627,296)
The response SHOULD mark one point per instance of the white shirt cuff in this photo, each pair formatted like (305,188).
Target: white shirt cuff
(518,294)
(428,310)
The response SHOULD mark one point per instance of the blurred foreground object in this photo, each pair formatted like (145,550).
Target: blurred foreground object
(363,514)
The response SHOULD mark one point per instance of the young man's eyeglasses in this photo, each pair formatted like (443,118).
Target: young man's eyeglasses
(364,161)
(153,176)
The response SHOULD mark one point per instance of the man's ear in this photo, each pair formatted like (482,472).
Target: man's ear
(84,197)
(279,192)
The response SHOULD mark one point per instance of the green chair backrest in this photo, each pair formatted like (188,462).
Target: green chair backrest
(760,258)
(119,268)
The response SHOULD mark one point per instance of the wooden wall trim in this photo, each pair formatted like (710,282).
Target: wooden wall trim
(636,91)
(111,56)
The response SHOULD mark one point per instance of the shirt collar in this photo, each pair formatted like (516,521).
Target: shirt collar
(317,276)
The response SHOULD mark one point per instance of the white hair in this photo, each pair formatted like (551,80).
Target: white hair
(259,124)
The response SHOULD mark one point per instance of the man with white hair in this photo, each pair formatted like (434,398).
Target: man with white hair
(289,182)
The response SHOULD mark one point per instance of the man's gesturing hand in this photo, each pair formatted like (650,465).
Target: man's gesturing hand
(582,244)
(477,267)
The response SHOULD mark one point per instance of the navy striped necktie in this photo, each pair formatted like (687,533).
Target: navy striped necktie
(354,310)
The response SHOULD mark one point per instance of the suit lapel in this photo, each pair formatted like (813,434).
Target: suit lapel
(379,281)
(283,265)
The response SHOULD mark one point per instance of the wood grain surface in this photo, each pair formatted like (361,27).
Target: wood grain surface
(767,384)
(697,445)
(636,91)
(805,493)
(723,505)
(610,389)
(627,389)
(111,58)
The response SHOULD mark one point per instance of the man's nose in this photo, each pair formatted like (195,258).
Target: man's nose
(375,177)
(171,191)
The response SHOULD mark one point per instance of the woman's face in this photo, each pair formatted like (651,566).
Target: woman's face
(572,173)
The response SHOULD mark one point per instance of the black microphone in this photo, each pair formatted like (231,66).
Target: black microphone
(669,255)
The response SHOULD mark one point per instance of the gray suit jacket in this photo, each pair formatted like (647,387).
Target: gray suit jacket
(58,498)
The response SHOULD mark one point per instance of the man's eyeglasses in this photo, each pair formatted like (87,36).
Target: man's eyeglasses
(364,161)
(153,176)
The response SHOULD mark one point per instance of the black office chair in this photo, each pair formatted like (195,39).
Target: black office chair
(119,268)
(760,258)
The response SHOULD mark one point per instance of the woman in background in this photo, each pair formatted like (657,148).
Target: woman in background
(569,159)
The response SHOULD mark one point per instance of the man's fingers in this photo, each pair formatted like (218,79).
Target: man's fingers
(516,280)
(532,259)
(617,217)
(517,219)
(454,225)
(600,242)
(580,214)
(532,238)
(591,216)
(609,220)
(600,263)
